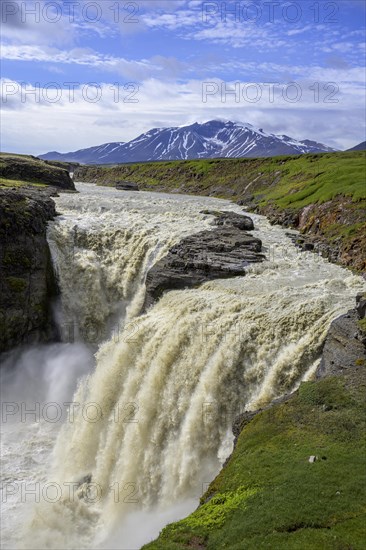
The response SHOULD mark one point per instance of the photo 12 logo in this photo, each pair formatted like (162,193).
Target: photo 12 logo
(69,92)
(269,12)
(70,491)
(271,92)
(53,412)
(53,12)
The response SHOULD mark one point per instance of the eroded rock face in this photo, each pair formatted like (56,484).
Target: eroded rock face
(222,253)
(27,282)
(345,346)
(323,228)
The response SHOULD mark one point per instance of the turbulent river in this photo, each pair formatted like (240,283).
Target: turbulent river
(117,431)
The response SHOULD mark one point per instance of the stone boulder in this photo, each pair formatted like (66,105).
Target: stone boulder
(222,253)
(230,219)
(127,186)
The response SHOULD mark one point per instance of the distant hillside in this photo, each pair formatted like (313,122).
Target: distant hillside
(359,147)
(214,139)
(17,170)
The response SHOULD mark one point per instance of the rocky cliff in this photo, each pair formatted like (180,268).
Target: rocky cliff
(27,283)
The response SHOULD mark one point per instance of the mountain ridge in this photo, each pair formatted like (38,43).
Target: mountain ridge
(212,139)
(359,147)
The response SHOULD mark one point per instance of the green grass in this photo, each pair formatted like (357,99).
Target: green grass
(320,178)
(362,325)
(289,182)
(270,496)
(19,183)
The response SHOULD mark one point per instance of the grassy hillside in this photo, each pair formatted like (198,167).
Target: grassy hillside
(323,195)
(270,496)
(322,175)
(20,170)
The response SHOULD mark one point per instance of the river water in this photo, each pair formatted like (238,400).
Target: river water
(117,431)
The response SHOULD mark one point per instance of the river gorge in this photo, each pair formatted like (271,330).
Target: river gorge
(132,412)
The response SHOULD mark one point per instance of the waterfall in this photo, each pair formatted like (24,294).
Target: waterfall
(152,422)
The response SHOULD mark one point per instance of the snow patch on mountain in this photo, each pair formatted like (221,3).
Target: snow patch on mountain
(212,139)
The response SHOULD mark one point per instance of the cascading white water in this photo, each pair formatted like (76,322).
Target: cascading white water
(105,243)
(167,386)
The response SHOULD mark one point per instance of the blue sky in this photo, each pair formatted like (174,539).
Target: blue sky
(81,73)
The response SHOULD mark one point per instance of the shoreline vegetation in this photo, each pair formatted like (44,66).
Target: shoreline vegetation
(296,478)
(321,195)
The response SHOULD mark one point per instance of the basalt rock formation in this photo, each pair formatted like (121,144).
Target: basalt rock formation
(345,345)
(27,282)
(223,252)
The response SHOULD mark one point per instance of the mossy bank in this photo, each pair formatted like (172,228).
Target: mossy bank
(18,170)
(296,479)
(322,195)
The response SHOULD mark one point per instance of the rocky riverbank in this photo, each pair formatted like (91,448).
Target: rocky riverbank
(27,282)
(334,229)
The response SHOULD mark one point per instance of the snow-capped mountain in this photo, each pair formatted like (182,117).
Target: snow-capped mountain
(209,140)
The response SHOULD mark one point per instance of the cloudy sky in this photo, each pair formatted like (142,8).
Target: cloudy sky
(82,73)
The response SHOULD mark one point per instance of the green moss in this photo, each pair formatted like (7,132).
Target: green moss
(330,395)
(288,182)
(214,514)
(16,284)
(19,183)
(362,324)
(288,502)
(16,258)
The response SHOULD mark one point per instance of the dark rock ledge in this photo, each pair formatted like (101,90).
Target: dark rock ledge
(224,252)
(27,281)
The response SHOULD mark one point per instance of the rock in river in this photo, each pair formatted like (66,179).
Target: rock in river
(221,253)
(127,186)
(225,218)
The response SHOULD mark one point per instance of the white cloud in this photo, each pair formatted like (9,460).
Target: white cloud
(38,126)
(134,69)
